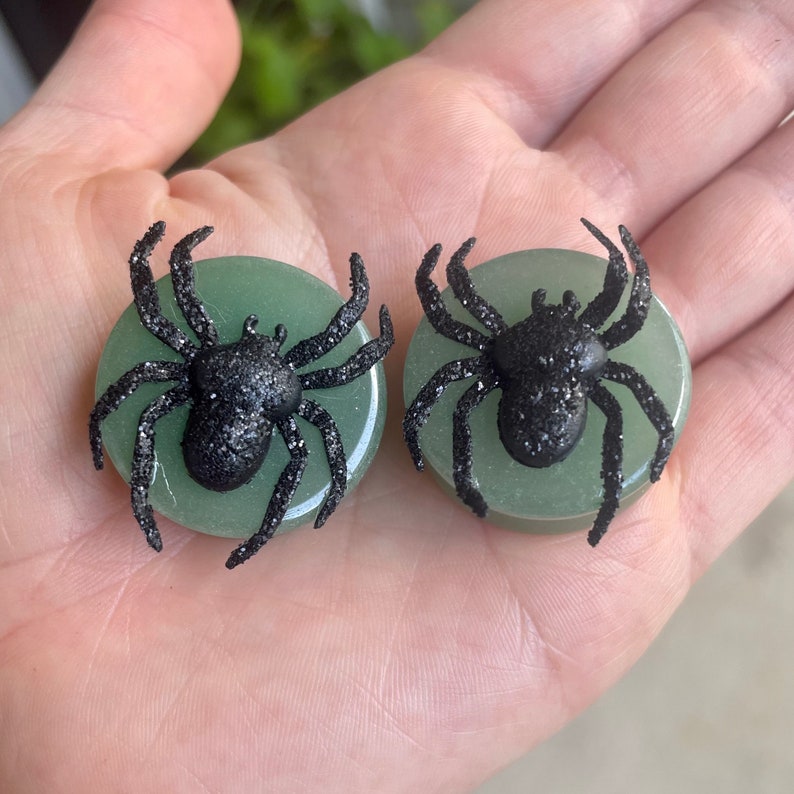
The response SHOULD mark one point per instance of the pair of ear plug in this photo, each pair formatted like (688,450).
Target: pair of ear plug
(535,329)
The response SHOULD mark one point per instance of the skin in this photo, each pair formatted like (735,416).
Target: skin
(406,646)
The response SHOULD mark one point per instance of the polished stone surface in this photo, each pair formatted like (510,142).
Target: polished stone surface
(565,496)
(231,289)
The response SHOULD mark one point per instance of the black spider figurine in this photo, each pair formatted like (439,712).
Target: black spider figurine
(238,392)
(547,366)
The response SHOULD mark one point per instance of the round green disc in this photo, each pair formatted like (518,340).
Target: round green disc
(564,496)
(232,288)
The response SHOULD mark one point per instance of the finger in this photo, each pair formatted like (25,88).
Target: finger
(541,60)
(701,94)
(140,81)
(737,452)
(727,255)
(446,107)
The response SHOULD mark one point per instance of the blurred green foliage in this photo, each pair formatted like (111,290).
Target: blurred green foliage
(296,53)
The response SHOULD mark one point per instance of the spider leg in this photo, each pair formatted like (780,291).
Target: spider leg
(651,406)
(639,301)
(184,281)
(464,290)
(116,393)
(465,484)
(598,310)
(334,451)
(285,489)
(143,460)
(418,412)
(434,308)
(308,350)
(611,460)
(363,359)
(145,295)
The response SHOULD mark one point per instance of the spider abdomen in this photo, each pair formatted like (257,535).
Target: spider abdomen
(225,445)
(540,422)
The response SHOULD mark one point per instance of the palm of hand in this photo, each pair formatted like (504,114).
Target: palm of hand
(405,630)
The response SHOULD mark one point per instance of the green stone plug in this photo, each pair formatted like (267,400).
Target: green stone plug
(541,390)
(267,393)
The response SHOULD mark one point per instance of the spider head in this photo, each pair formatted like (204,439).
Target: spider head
(278,339)
(549,345)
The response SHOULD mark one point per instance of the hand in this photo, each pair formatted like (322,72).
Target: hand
(406,646)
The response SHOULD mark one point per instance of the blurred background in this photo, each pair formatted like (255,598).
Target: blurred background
(296,53)
(710,707)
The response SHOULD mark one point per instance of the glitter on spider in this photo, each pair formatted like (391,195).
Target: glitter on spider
(548,366)
(238,393)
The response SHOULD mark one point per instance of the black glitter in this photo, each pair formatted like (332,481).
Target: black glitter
(547,366)
(238,393)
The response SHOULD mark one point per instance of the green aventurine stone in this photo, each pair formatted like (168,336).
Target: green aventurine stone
(232,288)
(565,496)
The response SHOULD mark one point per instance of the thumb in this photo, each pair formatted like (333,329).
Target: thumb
(139,82)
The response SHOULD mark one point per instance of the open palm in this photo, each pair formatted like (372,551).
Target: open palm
(406,646)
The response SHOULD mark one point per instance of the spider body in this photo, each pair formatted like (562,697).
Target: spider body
(545,365)
(238,393)
(548,366)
